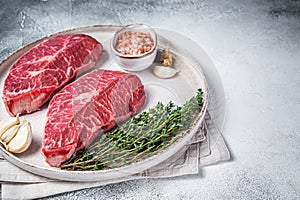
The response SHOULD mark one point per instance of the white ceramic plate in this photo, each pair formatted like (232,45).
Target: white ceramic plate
(178,89)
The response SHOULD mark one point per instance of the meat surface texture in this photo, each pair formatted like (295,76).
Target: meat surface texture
(86,108)
(37,75)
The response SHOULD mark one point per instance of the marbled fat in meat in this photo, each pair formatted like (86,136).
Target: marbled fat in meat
(86,108)
(43,70)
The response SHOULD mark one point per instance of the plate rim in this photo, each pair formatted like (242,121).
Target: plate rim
(28,166)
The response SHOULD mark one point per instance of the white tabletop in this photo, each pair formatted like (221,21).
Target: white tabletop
(256,49)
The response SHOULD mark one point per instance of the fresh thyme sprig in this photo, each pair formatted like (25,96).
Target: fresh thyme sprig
(140,137)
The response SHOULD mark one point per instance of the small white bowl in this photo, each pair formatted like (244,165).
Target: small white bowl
(135,62)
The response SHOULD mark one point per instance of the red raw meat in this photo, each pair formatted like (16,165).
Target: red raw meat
(86,108)
(47,67)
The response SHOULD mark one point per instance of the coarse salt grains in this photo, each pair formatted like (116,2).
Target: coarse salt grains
(134,43)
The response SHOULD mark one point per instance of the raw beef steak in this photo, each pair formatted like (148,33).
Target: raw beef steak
(44,69)
(89,106)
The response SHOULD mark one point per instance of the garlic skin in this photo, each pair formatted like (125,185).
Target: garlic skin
(165,69)
(22,139)
(166,57)
(8,123)
(164,72)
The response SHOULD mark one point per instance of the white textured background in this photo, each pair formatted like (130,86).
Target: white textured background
(255,46)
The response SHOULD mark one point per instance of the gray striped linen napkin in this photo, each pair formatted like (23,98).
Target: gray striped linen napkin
(16,182)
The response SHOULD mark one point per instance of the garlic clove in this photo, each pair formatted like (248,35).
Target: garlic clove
(8,123)
(22,139)
(164,72)
(8,135)
(166,57)
(4,144)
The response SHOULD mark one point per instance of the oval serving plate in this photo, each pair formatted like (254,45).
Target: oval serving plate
(178,89)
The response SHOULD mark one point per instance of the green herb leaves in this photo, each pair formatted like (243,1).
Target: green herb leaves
(138,138)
